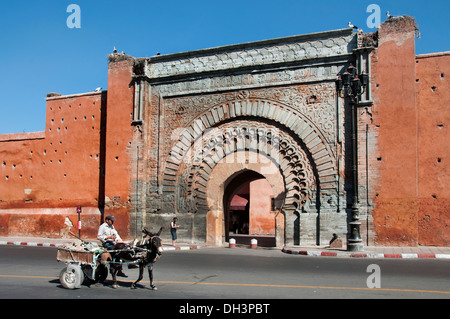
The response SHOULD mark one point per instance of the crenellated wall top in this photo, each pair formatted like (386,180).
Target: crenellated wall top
(260,54)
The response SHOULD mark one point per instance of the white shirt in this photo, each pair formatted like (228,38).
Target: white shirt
(105,231)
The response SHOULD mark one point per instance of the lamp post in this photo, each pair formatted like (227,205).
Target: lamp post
(351,86)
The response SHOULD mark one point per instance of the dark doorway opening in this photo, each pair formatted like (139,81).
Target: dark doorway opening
(240,224)
(239,211)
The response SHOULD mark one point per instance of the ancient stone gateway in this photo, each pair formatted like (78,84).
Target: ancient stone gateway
(209,121)
(252,139)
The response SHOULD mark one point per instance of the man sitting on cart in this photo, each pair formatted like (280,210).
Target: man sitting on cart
(109,236)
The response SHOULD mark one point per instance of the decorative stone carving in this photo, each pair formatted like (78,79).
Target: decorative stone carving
(216,104)
(262,139)
(263,53)
(291,141)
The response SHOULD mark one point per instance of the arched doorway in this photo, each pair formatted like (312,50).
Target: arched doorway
(248,135)
(249,210)
(230,179)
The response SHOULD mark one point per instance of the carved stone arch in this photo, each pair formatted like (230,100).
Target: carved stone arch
(301,126)
(259,141)
(305,161)
(264,143)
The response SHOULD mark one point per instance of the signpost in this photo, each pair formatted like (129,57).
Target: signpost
(79,221)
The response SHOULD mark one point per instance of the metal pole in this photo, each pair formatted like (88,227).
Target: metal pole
(137,191)
(355,242)
(367,184)
(352,86)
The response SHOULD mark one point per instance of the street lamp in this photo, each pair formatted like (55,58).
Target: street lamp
(350,85)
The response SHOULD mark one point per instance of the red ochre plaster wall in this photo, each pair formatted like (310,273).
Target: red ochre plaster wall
(45,175)
(82,158)
(432,73)
(411,115)
(119,138)
(262,218)
(395,215)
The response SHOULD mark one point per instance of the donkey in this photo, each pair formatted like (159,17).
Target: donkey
(142,253)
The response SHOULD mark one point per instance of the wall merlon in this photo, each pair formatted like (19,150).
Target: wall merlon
(300,50)
(72,96)
(11,137)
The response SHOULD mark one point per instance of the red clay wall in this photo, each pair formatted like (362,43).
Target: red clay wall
(395,117)
(45,175)
(411,116)
(82,158)
(433,148)
(119,137)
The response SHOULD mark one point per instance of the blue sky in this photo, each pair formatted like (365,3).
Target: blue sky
(40,54)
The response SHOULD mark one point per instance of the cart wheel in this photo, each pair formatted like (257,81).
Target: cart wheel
(71,277)
(87,272)
(101,273)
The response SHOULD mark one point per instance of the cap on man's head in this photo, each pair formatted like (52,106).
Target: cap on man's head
(110,217)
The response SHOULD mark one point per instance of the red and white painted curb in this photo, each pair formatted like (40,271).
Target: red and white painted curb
(167,248)
(363,255)
(22,243)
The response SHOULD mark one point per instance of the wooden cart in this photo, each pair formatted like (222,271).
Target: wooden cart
(82,261)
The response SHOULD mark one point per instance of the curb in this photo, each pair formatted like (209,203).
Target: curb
(21,243)
(314,253)
(33,244)
(364,255)
(180,248)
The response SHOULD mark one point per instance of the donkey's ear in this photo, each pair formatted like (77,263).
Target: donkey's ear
(147,232)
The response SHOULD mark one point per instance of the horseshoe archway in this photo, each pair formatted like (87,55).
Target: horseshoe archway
(275,139)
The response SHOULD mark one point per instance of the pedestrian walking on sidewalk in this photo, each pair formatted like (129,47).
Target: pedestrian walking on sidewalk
(173,230)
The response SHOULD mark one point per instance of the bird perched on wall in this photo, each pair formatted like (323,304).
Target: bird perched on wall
(388,15)
(350,25)
(114,50)
(98,89)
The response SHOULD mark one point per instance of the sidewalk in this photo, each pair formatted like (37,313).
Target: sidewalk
(56,242)
(374,252)
(323,251)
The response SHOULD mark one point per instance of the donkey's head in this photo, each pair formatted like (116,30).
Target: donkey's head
(155,242)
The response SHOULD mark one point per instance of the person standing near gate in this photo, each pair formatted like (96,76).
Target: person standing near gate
(173,230)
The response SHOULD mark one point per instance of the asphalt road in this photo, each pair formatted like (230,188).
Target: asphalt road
(239,274)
